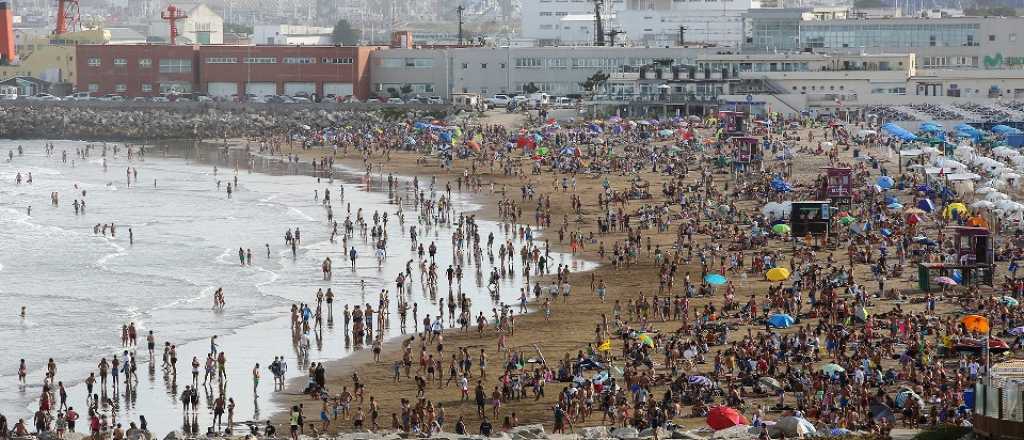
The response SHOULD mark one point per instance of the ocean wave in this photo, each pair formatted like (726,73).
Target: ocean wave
(296,212)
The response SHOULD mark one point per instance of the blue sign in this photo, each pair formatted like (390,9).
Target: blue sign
(750,98)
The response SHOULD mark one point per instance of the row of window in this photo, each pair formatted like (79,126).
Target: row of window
(411,63)
(146,88)
(174,64)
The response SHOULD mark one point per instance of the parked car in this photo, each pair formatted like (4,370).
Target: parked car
(111,97)
(301,100)
(498,100)
(435,100)
(43,97)
(79,96)
(203,98)
(160,99)
(395,101)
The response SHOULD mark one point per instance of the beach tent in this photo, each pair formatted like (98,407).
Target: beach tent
(722,417)
(780,320)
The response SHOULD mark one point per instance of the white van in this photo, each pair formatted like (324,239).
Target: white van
(538,100)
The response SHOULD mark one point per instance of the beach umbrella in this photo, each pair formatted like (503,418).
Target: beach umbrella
(839,432)
(777,274)
(665,132)
(721,417)
(959,208)
(714,279)
(946,281)
(780,320)
(831,369)
(1009,301)
(645,339)
(881,412)
(925,205)
(983,204)
(781,228)
(770,382)
(847,220)
(1017,331)
(913,219)
(904,396)
(975,323)
(895,205)
(885,182)
(794,426)
(699,380)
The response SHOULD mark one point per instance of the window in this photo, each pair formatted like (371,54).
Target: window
(120,88)
(546,27)
(483,65)
(145,63)
(261,60)
(1013,36)
(175,65)
(419,63)
(221,60)
(299,60)
(120,62)
(558,63)
(93,87)
(529,63)
(545,14)
(991,37)
(147,88)
(94,62)
(501,65)
(392,62)
(345,60)
(465,66)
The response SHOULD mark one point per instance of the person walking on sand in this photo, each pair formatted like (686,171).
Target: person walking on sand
(256,380)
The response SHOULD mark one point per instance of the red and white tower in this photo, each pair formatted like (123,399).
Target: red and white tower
(172,15)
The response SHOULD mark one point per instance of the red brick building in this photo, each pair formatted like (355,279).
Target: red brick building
(223,71)
(135,70)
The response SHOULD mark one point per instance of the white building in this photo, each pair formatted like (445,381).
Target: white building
(293,35)
(647,22)
(566,22)
(203,26)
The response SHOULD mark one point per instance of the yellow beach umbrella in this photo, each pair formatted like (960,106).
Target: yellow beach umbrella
(777,274)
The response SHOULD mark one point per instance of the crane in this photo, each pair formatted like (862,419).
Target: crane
(598,24)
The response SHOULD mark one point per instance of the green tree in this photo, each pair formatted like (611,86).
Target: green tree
(392,92)
(530,88)
(595,81)
(237,28)
(406,90)
(345,34)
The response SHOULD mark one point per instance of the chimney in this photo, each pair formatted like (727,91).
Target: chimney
(6,33)
(401,40)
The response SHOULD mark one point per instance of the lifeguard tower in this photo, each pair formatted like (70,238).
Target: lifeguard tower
(836,186)
(746,154)
(974,259)
(733,122)
(810,217)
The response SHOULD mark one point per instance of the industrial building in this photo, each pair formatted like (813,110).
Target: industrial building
(223,71)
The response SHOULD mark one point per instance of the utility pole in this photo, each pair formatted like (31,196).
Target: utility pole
(459,10)
(682,35)
(598,24)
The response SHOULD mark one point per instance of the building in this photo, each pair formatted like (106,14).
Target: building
(203,26)
(224,71)
(284,70)
(950,42)
(136,69)
(47,57)
(643,22)
(286,34)
(491,70)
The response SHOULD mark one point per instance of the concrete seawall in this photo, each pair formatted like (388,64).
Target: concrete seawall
(145,121)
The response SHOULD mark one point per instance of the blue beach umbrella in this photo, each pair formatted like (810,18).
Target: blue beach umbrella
(714,279)
(885,182)
(781,320)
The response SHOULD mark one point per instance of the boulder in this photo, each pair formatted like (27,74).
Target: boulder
(627,433)
(528,432)
(594,432)
(738,432)
(649,433)
(174,435)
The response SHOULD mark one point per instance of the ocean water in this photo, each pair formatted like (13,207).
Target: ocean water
(79,288)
